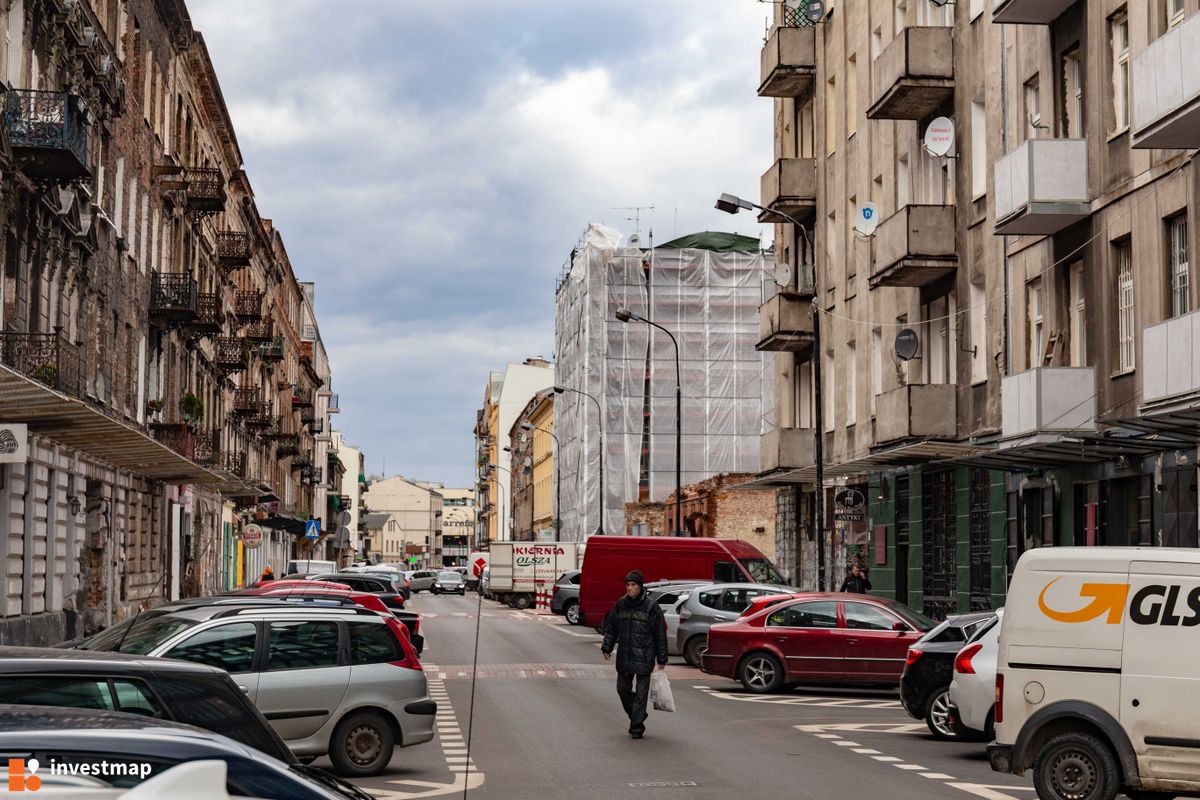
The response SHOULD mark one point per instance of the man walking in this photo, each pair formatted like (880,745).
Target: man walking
(857,581)
(637,628)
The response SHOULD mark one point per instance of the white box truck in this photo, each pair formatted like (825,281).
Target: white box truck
(518,570)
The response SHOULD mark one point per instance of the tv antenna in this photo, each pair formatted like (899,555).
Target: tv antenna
(636,219)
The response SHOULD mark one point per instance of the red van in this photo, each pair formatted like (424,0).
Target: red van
(608,559)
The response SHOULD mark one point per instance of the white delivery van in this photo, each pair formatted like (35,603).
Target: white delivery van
(1098,675)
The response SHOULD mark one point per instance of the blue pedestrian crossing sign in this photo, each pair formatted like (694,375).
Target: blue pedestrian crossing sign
(312,529)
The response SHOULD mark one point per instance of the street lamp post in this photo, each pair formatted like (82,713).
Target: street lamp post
(600,424)
(625,315)
(731,204)
(527,426)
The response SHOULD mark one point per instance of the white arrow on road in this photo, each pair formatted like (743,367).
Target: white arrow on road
(864,727)
(472,780)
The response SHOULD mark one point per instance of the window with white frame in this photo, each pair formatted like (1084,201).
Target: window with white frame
(1177,264)
(978,149)
(1078,317)
(978,312)
(1118,37)
(1123,263)
(876,367)
(851,384)
(807,148)
(1175,12)
(1036,340)
(1033,107)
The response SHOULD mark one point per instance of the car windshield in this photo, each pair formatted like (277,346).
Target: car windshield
(448,576)
(915,618)
(762,571)
(139,635)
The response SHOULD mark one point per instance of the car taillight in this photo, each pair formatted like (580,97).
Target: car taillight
(962,662)
(410,660)
(555,590)
(912,656)
(684,617)
(998,714)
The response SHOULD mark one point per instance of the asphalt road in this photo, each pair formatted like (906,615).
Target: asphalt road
(547,724)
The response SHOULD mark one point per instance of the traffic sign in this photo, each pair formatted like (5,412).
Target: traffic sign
(312,529)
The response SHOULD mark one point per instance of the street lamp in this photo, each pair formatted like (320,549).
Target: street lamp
(528,426)
(732,204)
(625,315)
(600,423)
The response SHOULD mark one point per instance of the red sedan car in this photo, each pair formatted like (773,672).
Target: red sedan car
(819,637)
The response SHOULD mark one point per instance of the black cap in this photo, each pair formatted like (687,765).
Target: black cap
(636,577)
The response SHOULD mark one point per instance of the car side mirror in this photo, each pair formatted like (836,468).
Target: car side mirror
(899,627)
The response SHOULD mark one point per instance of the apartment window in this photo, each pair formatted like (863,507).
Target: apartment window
(851,95)
(807,145)
(901,16)
(830,389)
(978,313)
(1033,107)
(1118,37)
(978,149)
(851,384)
(1071,118)
(876,367)
(1177,264)
(903,183)
(1175,12)
(1037,324)
(1078,316)
(937,358)
(831,115)
(804,395)
(1123,260)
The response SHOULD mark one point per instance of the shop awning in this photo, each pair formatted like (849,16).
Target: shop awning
(285,523)
(910,454)
(1048,451)
(75,423)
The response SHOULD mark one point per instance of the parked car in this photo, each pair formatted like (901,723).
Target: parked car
(564,597)
(378,585)
(973,689)
(411,619)
(86,736)
(929,668)
(485,580)
(450,582)
(671,615)
(354,702)
(302,568)
(717,602)
(819,637)
(421,580)
(161,688)
(398,577)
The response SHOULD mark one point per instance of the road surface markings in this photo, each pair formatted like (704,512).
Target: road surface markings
(986,791)
(803,700)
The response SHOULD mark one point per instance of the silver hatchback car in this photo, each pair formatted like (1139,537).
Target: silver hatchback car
(717,602)
(337,680)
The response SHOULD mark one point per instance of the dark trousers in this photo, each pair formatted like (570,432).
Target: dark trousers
(634,700)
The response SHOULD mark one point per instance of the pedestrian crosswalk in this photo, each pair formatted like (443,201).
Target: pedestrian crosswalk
(802,700)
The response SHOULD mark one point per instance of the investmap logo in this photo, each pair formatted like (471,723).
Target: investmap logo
(1154,604)
(22,775)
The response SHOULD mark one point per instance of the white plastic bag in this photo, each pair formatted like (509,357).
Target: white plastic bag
(660,691)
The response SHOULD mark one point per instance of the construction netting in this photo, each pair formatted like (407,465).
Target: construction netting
(708,299)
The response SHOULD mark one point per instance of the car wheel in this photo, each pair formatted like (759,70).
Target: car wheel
(692,650)
(362,745)
(1076,766)
(521,602)
(573,614)
(436,590)
(761,673)
(937,714)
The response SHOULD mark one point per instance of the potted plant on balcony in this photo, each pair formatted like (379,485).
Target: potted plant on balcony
(47,374)
(155,407)
(191,407)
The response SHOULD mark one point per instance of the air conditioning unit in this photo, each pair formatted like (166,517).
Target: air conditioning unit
(89,36)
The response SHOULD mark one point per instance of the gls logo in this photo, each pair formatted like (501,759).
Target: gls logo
(1146,608)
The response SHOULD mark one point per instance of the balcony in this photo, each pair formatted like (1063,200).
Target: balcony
(334,404)
(787,449)
(47,358)
(287,445)
(229,354)
(173,298)
(789,186)
(1042,187)
(262,332)
(48,133)
(247,306)
(1048,400)
(210,314)
(205,190)
(316,426)
(303,461)
(789,62)
(208,446)
(785,324)
(915,247)
(272,351)
(302,398)
(1029,12)
(1166,90)
(914,75)
(260,420)
(177,436)
(920,411)
(234,463)
(1171,359)
(246,402)
(233,249)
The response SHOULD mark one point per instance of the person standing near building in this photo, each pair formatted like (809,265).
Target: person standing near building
(637,629)
(857,581)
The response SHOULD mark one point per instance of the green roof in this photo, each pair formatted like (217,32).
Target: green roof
(715,241)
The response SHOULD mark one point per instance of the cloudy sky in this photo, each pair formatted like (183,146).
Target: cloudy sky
(431,164)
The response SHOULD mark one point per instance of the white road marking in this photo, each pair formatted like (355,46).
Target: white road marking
(847,743)
(801,700)
(938,776)
(885,759)
(916,767)
(989,791)
(866,751)
(863,727)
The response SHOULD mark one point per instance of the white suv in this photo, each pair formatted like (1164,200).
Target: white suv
(337,680)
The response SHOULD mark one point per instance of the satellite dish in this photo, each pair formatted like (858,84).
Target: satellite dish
(867,219)
(783,274)
(815,11)
(939,136)
(907,344)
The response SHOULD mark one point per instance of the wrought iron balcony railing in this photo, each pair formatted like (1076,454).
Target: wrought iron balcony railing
(303,461)
(247,305)
(229,354)
(798,17)
(49,133)
(302,398)
(208,446)
(210,314)
(335,406)
(261,419)
(287,445)
(272,351)
(315,426)
(233,249)
(261,332)
(47,358)
(173,297)
(205,190)
(235,463)
(246,402)
(176,435)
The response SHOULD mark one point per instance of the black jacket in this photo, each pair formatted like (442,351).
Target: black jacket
(639,628)
(856,585)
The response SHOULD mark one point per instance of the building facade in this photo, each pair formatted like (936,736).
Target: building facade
(415,511)
(458,525)
(983,388)
(146,324)
(531,446)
